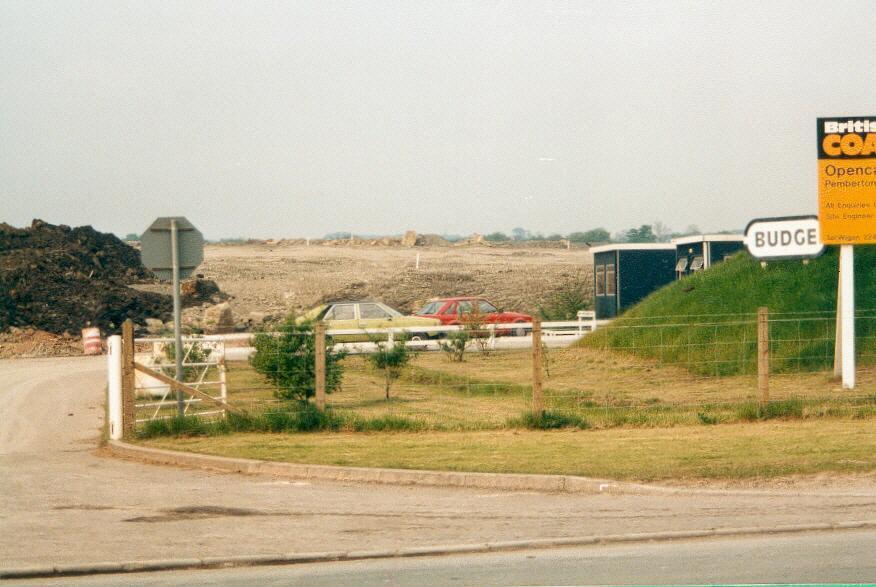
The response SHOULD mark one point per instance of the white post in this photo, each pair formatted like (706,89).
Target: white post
(418,261)
(114,385)
(223,384)
(847,303)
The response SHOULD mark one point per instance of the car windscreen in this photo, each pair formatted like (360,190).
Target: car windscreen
(340,312)
(430,308)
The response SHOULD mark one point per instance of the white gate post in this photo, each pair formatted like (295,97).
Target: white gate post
(114,386)
(223,384)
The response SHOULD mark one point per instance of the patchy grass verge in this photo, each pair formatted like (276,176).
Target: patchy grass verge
(548,421)
(732,451)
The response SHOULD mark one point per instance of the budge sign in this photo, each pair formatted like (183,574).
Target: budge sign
(790,237)
(847,180)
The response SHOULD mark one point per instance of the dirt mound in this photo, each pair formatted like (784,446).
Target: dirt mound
(37,343)
(432,240)
(61,279)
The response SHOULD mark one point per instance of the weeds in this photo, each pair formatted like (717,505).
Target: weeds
(548,421)
(788,409)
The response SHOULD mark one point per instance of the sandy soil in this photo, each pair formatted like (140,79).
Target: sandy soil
(280,278)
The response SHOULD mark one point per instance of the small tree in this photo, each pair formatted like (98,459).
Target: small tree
(391,358)
(497,237)
(455,345)
(287,358)
(474,323)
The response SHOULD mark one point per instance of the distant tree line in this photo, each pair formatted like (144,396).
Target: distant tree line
(656,232)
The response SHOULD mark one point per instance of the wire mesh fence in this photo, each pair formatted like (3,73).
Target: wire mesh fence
(663,371)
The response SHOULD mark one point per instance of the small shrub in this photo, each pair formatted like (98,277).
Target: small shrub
(310,419)
(548,421)
(391,359)
(455,345)
(706,419)
(474,322)
(287,360)
(570,297)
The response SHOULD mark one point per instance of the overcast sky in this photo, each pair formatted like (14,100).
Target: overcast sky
(300,118)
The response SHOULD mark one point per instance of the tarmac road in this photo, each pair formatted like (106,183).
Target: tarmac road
(838,557)
(61,501)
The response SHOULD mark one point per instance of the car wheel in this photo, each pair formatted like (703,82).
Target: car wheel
(518,330)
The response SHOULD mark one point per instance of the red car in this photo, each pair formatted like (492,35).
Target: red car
(451,311)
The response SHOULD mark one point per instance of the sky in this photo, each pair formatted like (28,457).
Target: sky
(284,119)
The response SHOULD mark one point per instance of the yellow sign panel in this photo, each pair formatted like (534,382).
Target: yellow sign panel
(847,180)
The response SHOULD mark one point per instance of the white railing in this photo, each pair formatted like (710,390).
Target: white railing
(428,338)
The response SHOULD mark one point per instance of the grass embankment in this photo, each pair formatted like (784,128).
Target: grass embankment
(705,321)
(724,452)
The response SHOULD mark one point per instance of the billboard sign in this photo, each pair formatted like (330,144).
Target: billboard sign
(847,180)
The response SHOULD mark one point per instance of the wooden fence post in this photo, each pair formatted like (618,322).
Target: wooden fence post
(537,399)
(319,348)
(128,379)
(763,355)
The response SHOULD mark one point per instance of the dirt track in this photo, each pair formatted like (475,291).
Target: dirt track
(61,502)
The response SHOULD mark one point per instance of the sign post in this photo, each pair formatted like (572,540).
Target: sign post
(847,212)
(172,248)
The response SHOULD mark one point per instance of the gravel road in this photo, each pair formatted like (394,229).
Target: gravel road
(62,501)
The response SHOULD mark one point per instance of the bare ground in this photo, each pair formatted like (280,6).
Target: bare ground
(280,278)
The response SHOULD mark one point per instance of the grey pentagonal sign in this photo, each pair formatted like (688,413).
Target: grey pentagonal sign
(156,247)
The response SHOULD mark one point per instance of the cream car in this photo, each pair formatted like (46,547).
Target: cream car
(367,314)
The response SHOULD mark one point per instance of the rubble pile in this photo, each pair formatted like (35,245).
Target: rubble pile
(61,279)
(18,343)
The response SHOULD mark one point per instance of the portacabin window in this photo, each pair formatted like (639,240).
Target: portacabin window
(610,280)
(600,280)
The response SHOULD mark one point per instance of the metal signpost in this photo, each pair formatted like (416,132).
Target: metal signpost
(173,248)
(847,211)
